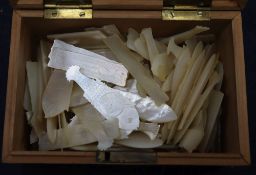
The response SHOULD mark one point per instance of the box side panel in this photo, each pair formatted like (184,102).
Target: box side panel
(11,87)
(241,88)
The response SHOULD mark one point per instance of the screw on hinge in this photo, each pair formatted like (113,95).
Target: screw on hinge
(173,14)
(200,13)
(169,14)
(82,14)
(54,13)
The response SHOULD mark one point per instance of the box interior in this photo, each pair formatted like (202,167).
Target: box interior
(35,28)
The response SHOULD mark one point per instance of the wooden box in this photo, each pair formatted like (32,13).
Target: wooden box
(29,25)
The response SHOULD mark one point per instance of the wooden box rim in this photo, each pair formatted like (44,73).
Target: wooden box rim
(10,156)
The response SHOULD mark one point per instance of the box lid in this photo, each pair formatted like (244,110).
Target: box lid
(133,4)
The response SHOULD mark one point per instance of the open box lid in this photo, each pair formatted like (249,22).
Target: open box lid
(132,4)
(84,8)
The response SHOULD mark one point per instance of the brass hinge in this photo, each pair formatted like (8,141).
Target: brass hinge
(201,14)
(60,11)
(186,10)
